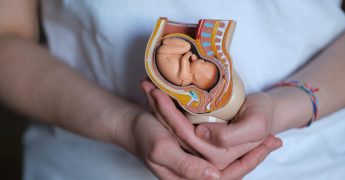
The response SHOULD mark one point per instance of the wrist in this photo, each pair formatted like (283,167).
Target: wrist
(293,108)
(124,122)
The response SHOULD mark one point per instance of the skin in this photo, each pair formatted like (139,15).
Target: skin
(275,110)
(181,67)
(28,76)
(284,108)
(179,125)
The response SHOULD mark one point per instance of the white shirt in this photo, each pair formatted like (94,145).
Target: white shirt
(105,41)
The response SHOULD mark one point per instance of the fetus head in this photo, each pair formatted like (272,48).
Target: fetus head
(205,73)
(181,67)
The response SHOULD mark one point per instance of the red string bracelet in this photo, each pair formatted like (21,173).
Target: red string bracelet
(309,90)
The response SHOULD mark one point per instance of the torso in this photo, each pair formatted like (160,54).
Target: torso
(105,41)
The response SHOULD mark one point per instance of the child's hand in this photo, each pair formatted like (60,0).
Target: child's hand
(253,124)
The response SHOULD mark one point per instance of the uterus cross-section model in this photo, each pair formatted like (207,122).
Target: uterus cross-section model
(191,63)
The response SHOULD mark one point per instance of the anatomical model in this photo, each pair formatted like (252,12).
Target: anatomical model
(191,63)
(181,67)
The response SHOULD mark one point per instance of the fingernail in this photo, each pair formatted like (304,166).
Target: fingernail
(205,132)
(211,174)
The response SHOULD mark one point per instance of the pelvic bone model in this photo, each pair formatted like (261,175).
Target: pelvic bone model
(191,63)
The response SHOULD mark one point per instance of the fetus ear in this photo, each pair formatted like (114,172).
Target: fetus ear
(174,46)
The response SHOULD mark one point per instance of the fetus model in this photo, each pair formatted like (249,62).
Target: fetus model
(191,63)
(181,67)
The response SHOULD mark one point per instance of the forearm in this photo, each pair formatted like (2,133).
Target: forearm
(327,72)
(38,85)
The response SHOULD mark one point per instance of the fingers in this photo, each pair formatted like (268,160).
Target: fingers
(184,130)
(181,126)
(157,146)
(251,128)
(148,87)
(162,172)
(248,162)
(194,57)
(168,154)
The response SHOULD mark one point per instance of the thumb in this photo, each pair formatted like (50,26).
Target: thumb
(251,128)
(213,133)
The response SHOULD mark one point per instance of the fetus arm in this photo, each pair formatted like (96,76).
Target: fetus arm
(194,57)
(184,73)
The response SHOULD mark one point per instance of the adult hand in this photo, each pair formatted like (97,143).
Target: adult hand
(244,165)
(179,125)
(162,154)
(252,126)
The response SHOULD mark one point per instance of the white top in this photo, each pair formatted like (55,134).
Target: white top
(105,41)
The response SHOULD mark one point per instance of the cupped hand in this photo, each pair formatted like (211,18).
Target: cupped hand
(163,155)
(179,125)
(252,126)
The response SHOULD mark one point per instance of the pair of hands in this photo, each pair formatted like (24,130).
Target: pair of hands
(215,150)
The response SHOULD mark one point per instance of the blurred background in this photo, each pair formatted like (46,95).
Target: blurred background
(12,127)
